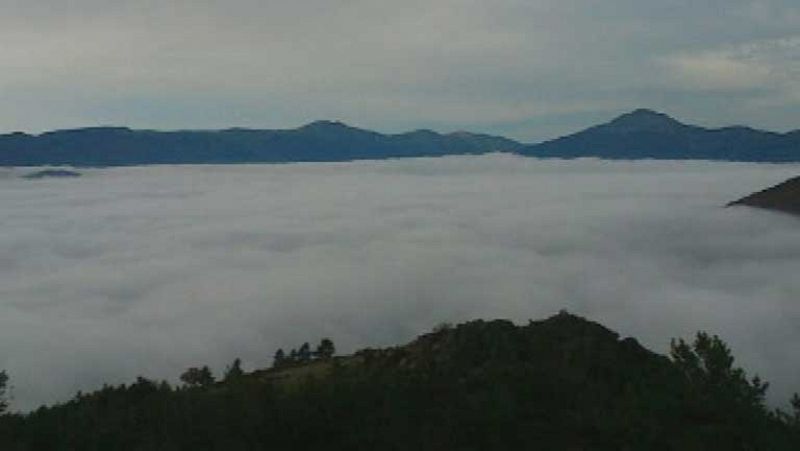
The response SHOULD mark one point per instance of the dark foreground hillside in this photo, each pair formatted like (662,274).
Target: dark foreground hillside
(784,197)
(563,383)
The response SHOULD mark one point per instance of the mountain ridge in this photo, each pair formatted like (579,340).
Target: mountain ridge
(639,134)
(315,141)
(647,134)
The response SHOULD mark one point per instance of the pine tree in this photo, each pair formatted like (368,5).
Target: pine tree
(795,401)
(3,391)
(325,350)
(708,365)
(197,377)
(279,360)
(304,354)
(234,371)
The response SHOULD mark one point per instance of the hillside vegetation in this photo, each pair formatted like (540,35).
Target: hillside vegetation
(563,383)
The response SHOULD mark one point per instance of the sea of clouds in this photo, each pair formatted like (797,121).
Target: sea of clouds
(150,270)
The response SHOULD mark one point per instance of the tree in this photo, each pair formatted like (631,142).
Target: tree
(325,350)
(234,371)
(442,327)
(708,365)
(796,409)
(304,353)
(3,392)
(142,388)
(197,377)
(279,360)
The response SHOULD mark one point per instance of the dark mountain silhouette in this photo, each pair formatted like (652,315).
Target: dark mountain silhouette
(318,141)
(636,135)
(784,197)
(563,383)
(649,134)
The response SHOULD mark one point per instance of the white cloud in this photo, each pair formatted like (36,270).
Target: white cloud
(150,270)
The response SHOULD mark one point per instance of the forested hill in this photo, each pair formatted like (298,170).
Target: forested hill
(563,383)
(318,141)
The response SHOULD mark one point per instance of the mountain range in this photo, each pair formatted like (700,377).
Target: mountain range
(636,135)
(317,141)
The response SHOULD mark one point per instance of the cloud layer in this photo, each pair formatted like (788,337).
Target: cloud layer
(150,270)
(529,69)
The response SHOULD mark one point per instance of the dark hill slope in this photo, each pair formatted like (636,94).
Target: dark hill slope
(562,383)
(649,134)
(784,197)
(318,141)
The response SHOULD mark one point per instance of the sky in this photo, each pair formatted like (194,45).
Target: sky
(527,69)
(150,270)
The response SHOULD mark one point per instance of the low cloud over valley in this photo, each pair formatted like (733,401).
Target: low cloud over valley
(146,271)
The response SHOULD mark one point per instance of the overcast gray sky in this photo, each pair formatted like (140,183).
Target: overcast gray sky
(530,69)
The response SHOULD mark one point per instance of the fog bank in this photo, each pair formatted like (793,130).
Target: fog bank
(146,271)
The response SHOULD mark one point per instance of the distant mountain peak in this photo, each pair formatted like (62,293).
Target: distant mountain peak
(326,125)
(645,133)
(644,118)
(647,112)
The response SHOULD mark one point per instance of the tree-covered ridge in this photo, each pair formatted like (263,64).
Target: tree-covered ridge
(560,383)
